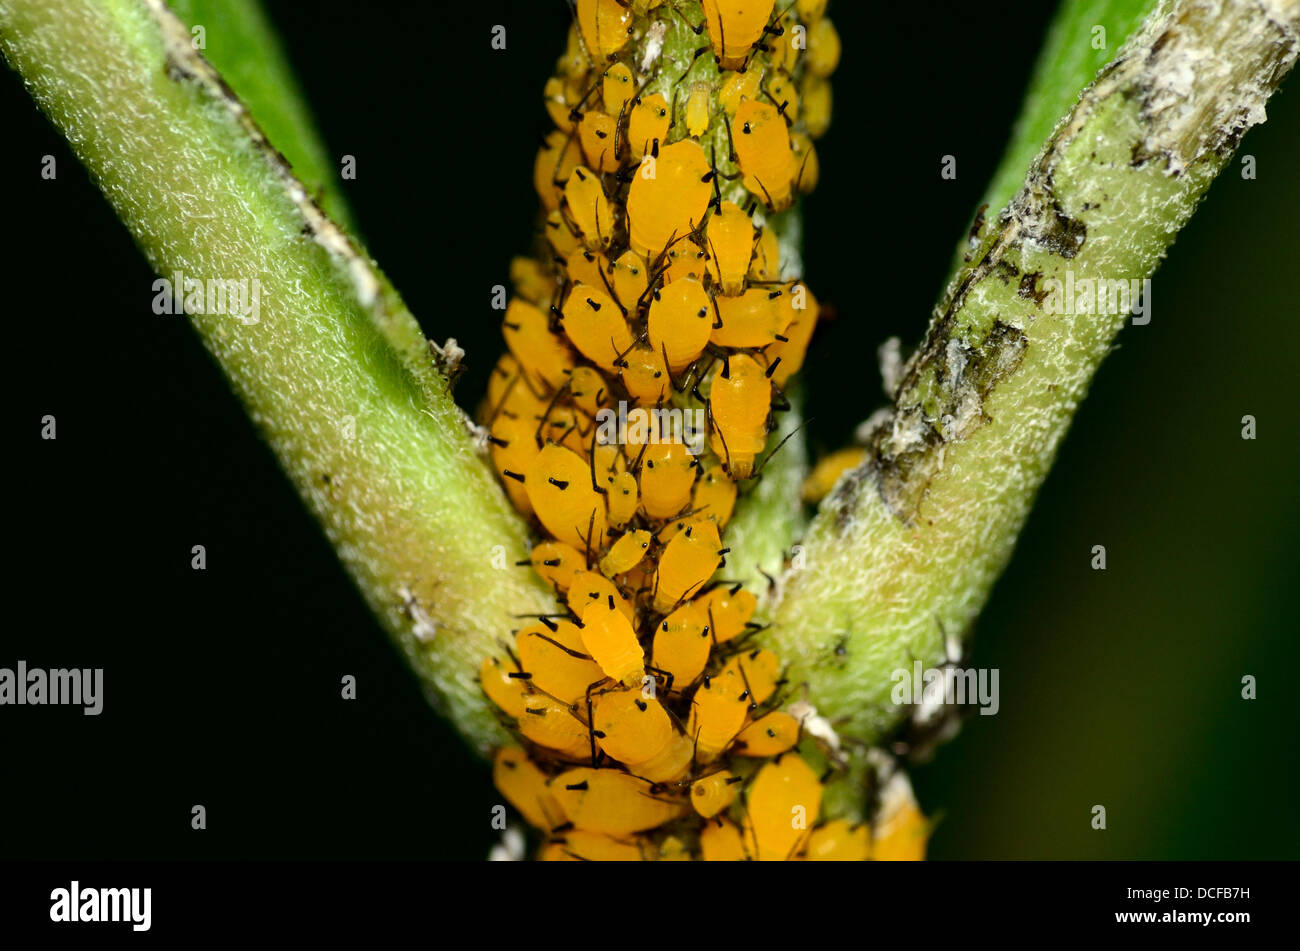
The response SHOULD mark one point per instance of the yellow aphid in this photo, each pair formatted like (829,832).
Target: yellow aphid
(759,670)
(590,588)
(556,160)
(816,96)
(596,133)
(734,27)
(530,281)
(628,275)
(738,87)
(697,110)
(645,375)
(647,125)
(566,427)
(828,471)
(687,562)
(610,639)
(543,356)
(626,553)
(681,645)
(636,730)
(757,318)
(728,611)
(558,105)
(782,91)
(810,11)
(673,849)
(823,48)
(504,685)
(713,793)
(839,841)
(766,264)
(718,711)
(730,238)
(563,237)
(739,401)
(513,442)
(550,723)
(762,143)
(783,803)
(579,845)
(714,495)
(667,476)
(668,196)
(900,831)
(524,786)
(769,735)
(617,88)
(786,43)
(574,63)
(589,209)
(785,357)
(805,154)
(686,261)
(605,26)
(557,563)
(559,487)
(611,802)
(673,528)
(553,656)
(588,390)
(721,841)
(585,267)
(595,325)
(621,499)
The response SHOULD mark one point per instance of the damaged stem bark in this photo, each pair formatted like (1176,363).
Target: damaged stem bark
(904,553)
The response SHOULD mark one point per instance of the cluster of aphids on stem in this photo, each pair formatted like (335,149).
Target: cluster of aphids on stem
(650,725)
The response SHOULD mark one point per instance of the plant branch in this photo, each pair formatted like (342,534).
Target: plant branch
(334,370)
(907,548)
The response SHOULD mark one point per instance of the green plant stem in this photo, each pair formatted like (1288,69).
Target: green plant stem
(335,371)
(242,44)
(907,548)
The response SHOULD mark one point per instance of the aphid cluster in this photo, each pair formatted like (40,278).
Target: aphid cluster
(650,724)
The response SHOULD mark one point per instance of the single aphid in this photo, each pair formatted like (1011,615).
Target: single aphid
(739,402)
(612,802)
(610,638)
(525,788)
(783,802)
(552,653)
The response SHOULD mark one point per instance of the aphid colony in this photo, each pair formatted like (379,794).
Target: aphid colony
(649,722)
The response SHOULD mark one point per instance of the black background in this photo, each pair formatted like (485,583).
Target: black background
(222,686)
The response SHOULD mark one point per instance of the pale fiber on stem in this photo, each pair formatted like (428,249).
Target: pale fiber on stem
(408,503)
(909,546)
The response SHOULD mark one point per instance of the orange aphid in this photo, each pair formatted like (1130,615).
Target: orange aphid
(595,325)
(542,355)
(734,27)
(730,237)
(589,208)
(783,803)
(682,643)
(687,562)
(739,402)
(510,693)
(757,318)
(667,475)
(647,125)
(597,132)
(762,143)
(557,563)
(668,196)
(681,319)
(553,655)
(525,788)
(604,25)
(610,639)
(556,160)
(559,487)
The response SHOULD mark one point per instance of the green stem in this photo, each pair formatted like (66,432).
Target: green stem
(241,42)
(334,370)
(907,548)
